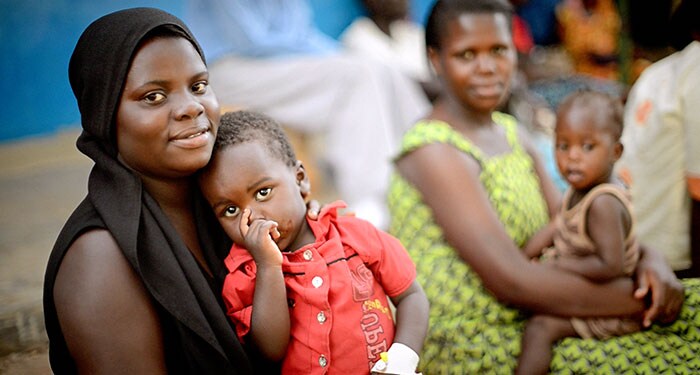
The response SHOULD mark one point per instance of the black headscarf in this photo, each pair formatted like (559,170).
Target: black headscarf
(198,337)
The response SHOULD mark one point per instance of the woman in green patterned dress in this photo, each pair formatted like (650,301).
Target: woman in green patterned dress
(470,190)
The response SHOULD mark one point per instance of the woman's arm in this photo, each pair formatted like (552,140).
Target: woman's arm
(549,190)
(657,283)
(449,183)
(106,315)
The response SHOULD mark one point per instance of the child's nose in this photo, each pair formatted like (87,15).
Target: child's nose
(256,213)
(574,153)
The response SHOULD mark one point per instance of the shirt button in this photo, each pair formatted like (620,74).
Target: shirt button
(317,281)
(308,255)
(321,317)
(322,361)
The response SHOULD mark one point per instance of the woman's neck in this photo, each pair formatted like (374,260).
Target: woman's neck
(459,117)
(171,194)
(175,197)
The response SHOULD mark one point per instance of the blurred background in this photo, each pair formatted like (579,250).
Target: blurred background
(43,176)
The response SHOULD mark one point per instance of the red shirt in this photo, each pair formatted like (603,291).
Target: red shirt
(337,292)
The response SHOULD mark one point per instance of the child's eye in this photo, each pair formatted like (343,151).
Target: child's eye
(154,97)
(230,211)
(562,146)
(587,146)
(262,194)
(199,87)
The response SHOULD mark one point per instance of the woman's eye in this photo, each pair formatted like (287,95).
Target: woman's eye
(262,194)
(230,211)
(199,87)
(154,97)
(468,55)
(500,50)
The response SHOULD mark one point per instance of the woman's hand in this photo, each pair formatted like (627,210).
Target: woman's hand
(657,283)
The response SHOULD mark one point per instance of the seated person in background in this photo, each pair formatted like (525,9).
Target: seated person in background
(313,293)
(662,147)
(470,191)
(589,30)
(593,233)
(388,34)
(268,56)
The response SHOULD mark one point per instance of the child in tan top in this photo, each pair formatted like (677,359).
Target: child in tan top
(593,234)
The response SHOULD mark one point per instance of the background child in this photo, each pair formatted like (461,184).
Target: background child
(593,234)
(310,292)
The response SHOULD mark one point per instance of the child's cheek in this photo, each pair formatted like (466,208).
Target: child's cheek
(231,229)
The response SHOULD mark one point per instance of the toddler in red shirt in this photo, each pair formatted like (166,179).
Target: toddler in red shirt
(312,293)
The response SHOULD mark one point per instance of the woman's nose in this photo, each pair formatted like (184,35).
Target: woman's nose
(188,106)
(485,63)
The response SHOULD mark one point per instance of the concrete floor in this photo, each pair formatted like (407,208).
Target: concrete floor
(41,182)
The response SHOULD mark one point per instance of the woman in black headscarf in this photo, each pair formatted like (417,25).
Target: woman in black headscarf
(133,282)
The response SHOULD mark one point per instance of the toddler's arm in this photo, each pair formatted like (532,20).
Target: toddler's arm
(412,309)
(269,324)
(606,227)
(541,240)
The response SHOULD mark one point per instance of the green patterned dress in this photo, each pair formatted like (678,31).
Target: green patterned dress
(470,331)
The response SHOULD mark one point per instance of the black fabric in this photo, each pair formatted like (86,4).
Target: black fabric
(199,337)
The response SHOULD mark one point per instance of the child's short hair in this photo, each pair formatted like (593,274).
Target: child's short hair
(601,102)
(245,126)
(444,11)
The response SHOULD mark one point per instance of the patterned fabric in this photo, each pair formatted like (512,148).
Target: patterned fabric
(472,333)
(509,178)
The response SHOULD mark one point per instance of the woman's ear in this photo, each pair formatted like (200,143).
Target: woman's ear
(303,180)
(434,59)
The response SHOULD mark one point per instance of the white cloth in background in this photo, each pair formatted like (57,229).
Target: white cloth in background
(662,151)
(405,49)
(267,56)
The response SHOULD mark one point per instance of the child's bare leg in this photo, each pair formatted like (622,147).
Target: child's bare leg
(541,333)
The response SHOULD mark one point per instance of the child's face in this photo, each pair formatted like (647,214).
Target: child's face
(168,115)
(477,60)
(584,149)
(247,176)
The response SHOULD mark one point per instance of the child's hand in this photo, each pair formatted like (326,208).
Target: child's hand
(259,239)
(399,360)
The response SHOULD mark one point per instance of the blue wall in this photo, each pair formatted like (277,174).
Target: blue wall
(38,36)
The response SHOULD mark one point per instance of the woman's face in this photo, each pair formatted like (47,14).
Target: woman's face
(168,115)
(477,60)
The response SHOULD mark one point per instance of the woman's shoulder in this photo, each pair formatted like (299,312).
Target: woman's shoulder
(430,131)
(100,300)
(93,270)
